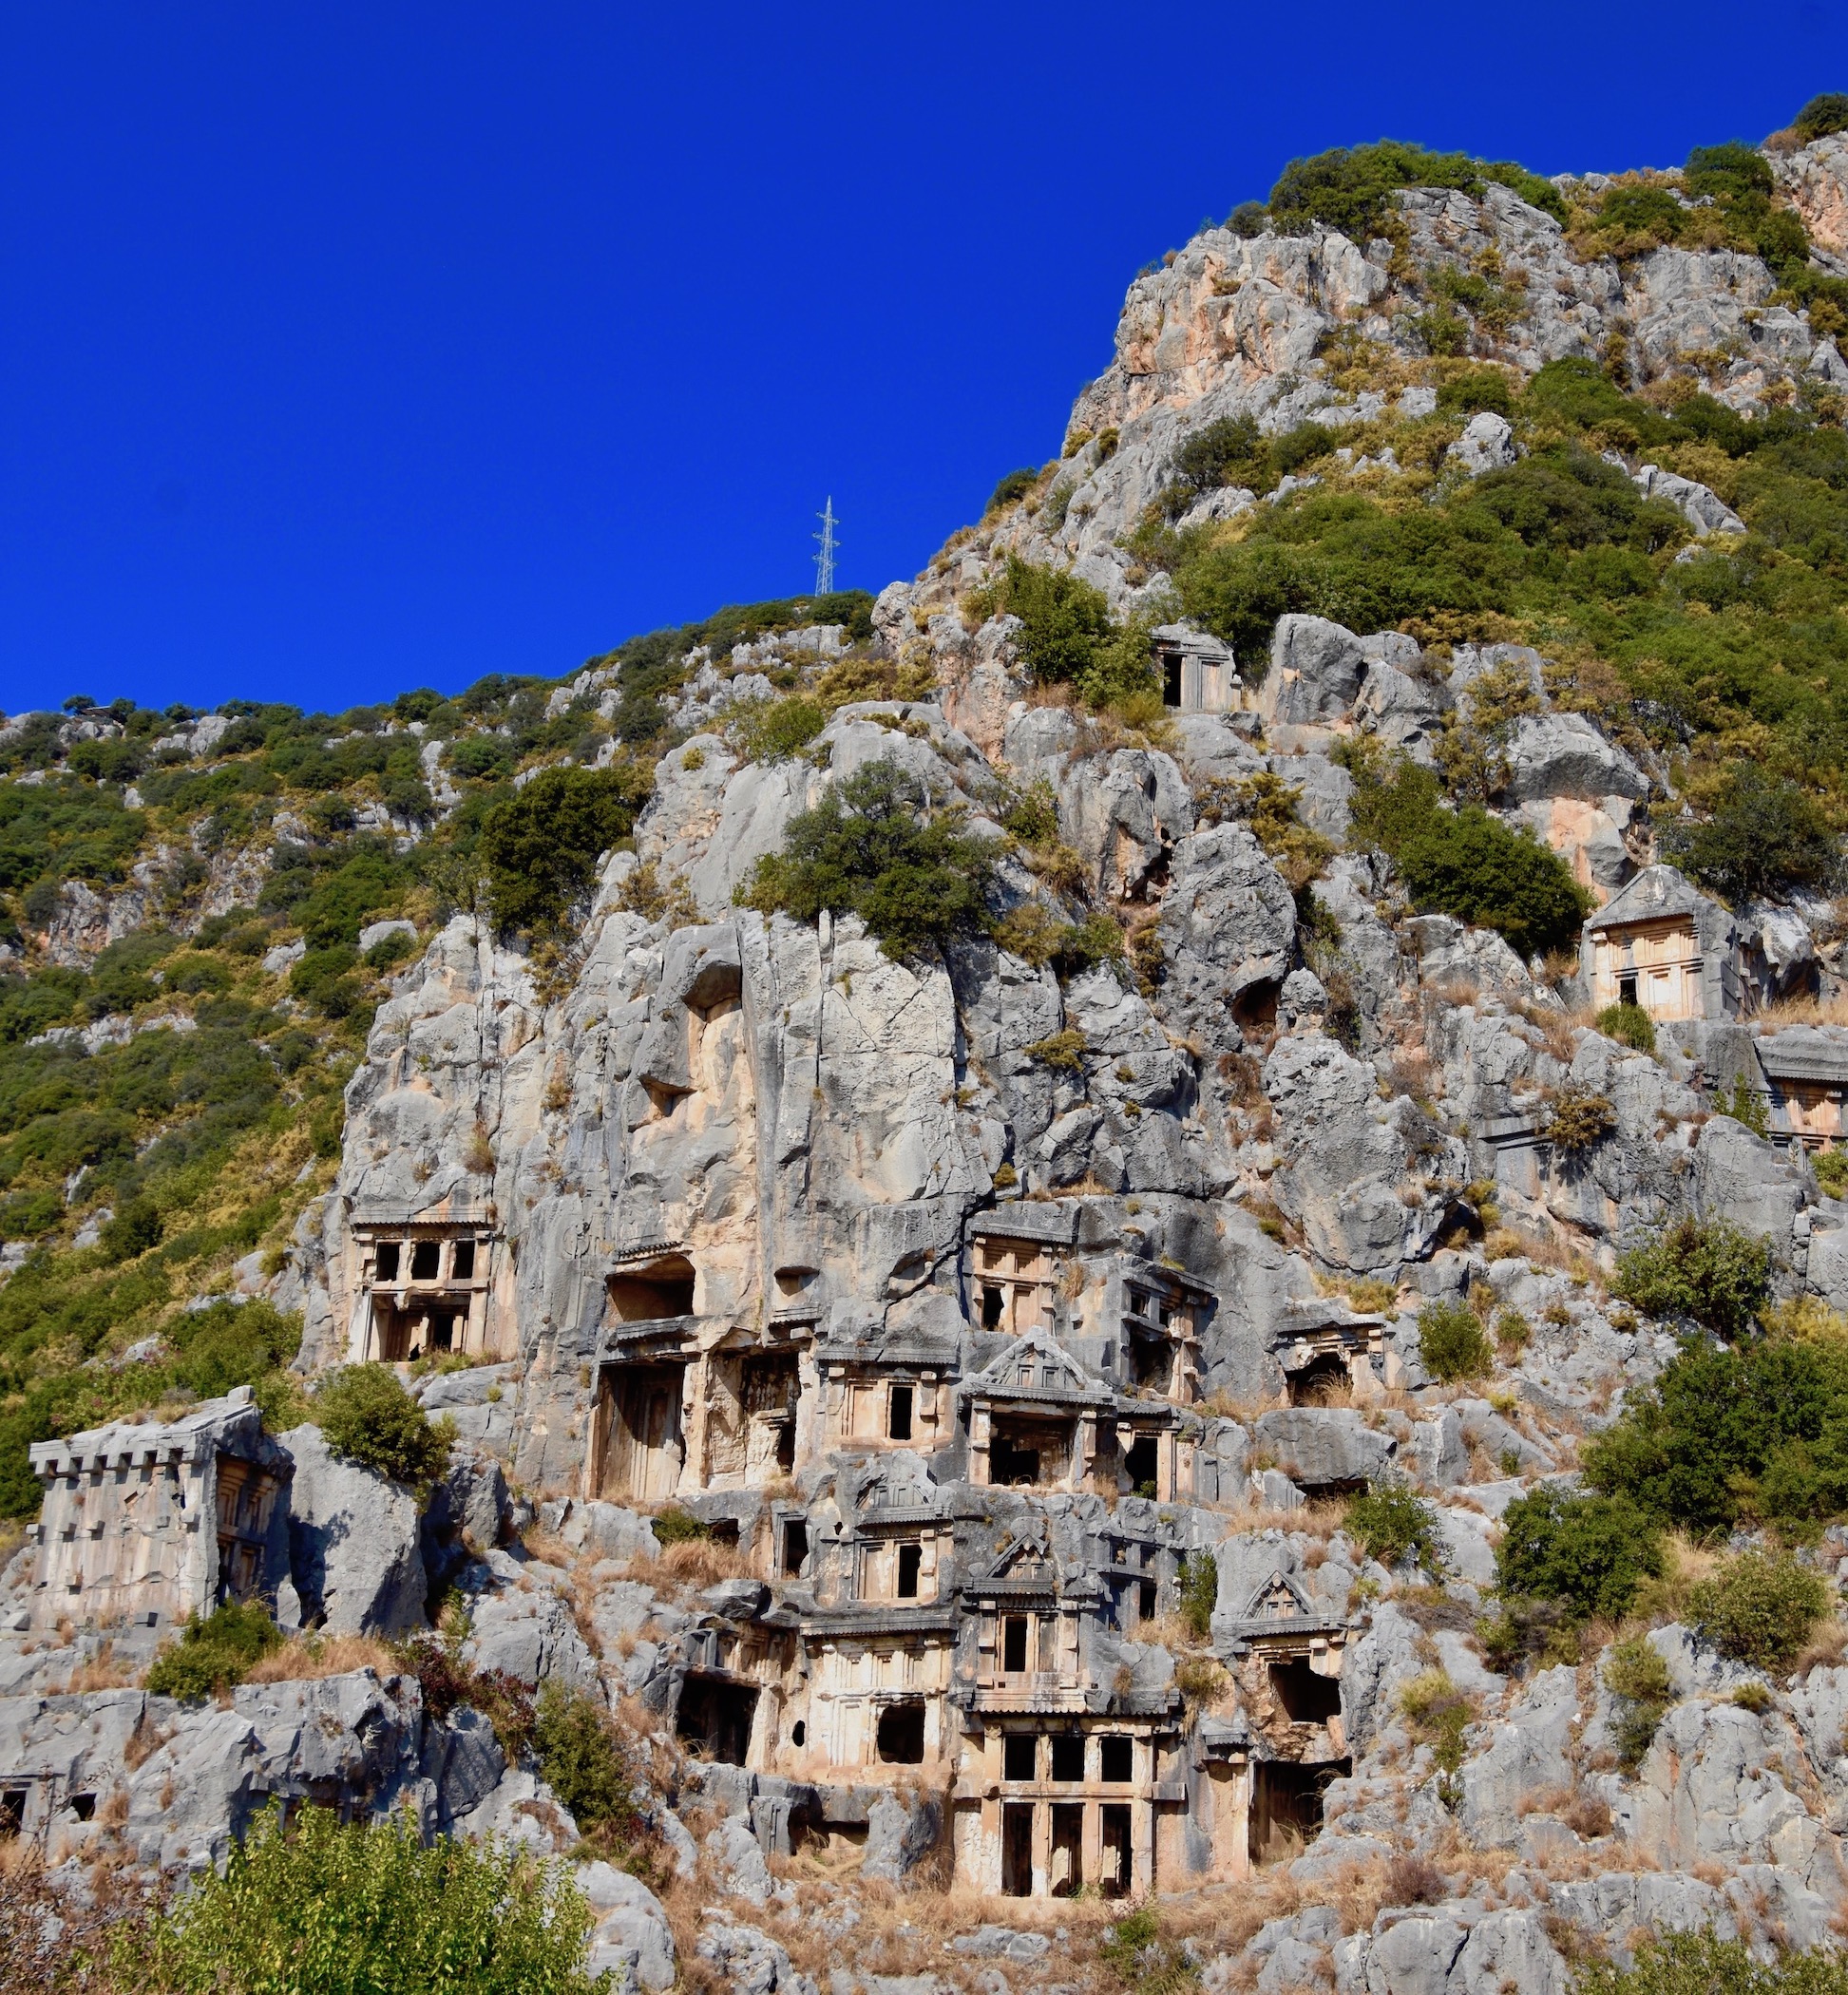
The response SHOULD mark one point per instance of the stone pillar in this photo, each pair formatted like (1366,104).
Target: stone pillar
(981,1424)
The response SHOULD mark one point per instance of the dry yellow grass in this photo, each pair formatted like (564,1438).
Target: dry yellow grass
(1803,1011)
(316,1656)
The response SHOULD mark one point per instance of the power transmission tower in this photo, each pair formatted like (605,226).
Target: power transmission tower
(825,560)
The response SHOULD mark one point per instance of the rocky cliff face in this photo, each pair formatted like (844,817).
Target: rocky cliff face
(983,1316)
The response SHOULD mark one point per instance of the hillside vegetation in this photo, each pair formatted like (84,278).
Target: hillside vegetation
(170,1100)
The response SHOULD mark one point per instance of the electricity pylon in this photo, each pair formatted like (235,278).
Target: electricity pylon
(825,560)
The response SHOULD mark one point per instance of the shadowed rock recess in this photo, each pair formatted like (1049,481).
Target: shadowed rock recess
(1087,1400)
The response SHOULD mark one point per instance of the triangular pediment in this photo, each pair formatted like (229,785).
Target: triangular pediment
(1278,1599)
(1027,1555)
(1037,1364)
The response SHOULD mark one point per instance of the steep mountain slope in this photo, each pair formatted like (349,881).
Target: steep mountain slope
(1161,1213)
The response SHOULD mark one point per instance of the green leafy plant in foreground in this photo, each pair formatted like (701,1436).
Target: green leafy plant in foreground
(1704,1964)
(366,1908)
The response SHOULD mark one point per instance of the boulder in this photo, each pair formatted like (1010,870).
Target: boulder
(354,1544)
(1228,928)
(1315,675)
(632,1938)
(1701,507)
(1323,1446)
(1566,756)
(1487,444)
(902,1830)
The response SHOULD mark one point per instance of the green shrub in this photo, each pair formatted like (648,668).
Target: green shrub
(585,1765)
(365,1908)
(1638,1678)
(1067,635)
(872,847)
(1744,1105)
(674,1526)
(1467,863)
(1441,1716)
(1831,1167)
(1351,188)
(777,730)
(1391,1523)
(1707,1271)
(1629,1025)
(1703,1964)
(1199,1593)
(1758,1608)
(1758,1431)
(1144,1960)
(135,1227)
(1012,488)
(214,1653)
(1483,388)
(538,847)
(1064,1051)
(1588,1554)
(1451,1344)
(366,1416)
(1822,116)
(1578,1119)
(1761,835)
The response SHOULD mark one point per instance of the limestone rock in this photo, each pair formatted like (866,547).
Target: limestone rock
(354,1544)
(1487,444)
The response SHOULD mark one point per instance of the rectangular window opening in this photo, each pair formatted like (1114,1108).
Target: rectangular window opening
(1020,1755)
(386,1261)
(424,1255)
(1117,1759)
(897,1417)
(463,1265)
(1068,1755)
(901,1733)
(795,1546)
(910,1559)
(1014,1644)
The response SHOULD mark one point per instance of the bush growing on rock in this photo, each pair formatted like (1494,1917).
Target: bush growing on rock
(1761,835)
(1831,1167)
(1821,116)
(215,1653)
(366,1417)
(1589,1554)
(1629,1025)
(538,847)
(585,1765)
(873,847)
(1730,1435)
(1704,1964)
(1441,1716)
(1638,1679)
(1391,1523)
(1351,188)
(1578,1119)
(1012,488)
(1468,864)
(1760,1608)
(1706,1271)
(1199,1593)
(365,1908)
(1067,635)
(1451,1344)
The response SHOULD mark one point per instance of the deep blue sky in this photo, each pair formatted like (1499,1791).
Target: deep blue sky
(345,348)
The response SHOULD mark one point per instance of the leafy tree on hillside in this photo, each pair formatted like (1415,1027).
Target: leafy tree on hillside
(538,847)
(873,847)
